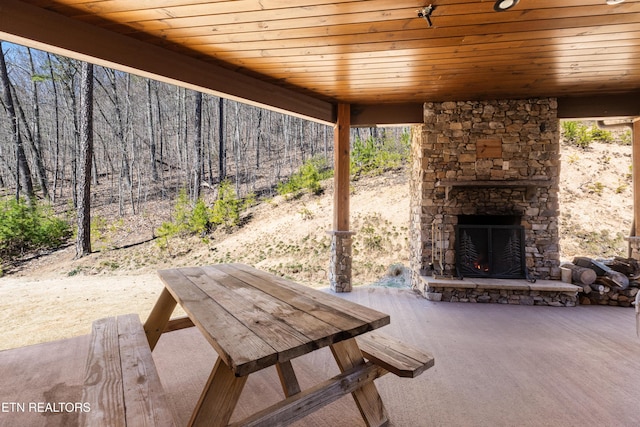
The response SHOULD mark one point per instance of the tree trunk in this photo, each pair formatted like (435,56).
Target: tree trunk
(160,157)
(83,242)
(37,137)
(198,161)
(236,147)
(150,134)
(69,71)
(23,173)
(56,140)
(222,153)
(31,139)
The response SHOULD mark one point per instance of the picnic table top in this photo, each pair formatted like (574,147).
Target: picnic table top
(255,319)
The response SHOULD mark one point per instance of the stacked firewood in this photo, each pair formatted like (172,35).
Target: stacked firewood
(606,282)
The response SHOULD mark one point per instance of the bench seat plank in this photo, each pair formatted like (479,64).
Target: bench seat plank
(394,355)
(145,401)
(121,381)
(103,377)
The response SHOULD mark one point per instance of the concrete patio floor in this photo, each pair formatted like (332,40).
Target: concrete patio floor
(496,365)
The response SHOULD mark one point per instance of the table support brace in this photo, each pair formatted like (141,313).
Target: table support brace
(288,378)
(214,409)
(159,317)
(348,356)
(302,404)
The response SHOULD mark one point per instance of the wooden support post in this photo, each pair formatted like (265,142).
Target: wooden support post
(340,268)
(342,161)
(634,238)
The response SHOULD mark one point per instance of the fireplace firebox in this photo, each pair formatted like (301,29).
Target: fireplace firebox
(490,246)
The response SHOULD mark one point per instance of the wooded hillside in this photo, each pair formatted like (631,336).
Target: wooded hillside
(150,138)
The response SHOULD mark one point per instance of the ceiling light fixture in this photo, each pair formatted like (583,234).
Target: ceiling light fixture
(612,2)
(502,5)
(426,12)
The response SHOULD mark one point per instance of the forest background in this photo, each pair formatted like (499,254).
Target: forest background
(179,161)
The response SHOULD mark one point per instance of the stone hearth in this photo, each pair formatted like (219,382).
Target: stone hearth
(519,292)
(485,158)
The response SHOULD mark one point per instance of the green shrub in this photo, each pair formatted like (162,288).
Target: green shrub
(308,177)
(626,138)
(376,156)
(372,240)
(182,213)
(226,210)
(583,138)
(581,135)
(198,218)
(577,133)
(570,130)
(200,222)
(25,227)
(601,135)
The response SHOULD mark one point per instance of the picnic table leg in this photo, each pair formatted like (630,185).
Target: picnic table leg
(288,378)
(159,317)
(348,355)
(219,398)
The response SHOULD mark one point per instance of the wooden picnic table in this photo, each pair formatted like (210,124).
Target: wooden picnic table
(254,320)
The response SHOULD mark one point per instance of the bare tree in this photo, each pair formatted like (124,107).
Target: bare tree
(198,161)
(36,134)
(222,153)
(56,125)
(151,133)
(83,242)
(23,173)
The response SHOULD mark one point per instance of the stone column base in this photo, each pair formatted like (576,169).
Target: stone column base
(340,263)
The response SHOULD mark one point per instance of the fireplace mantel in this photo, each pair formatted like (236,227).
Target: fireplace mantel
(529,184)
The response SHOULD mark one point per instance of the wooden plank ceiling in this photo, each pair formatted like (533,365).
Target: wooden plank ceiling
(368,53)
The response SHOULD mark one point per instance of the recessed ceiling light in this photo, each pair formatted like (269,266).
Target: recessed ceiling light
(501,5)
(611,2)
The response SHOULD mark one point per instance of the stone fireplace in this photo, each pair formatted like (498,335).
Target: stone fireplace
(484,190)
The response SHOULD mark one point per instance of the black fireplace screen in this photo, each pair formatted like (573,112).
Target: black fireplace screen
(495,251)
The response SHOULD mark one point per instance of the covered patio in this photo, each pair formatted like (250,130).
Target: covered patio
(373,63)
(383,63)
(496,365)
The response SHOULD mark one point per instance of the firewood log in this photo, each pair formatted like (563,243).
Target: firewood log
(620,280)
(626,266)
(581,275)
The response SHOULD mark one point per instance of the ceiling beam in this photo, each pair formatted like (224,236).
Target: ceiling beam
(600,106)
(366,115)
(35,27)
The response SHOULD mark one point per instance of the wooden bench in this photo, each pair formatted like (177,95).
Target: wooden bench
(394,355)
(121,383)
